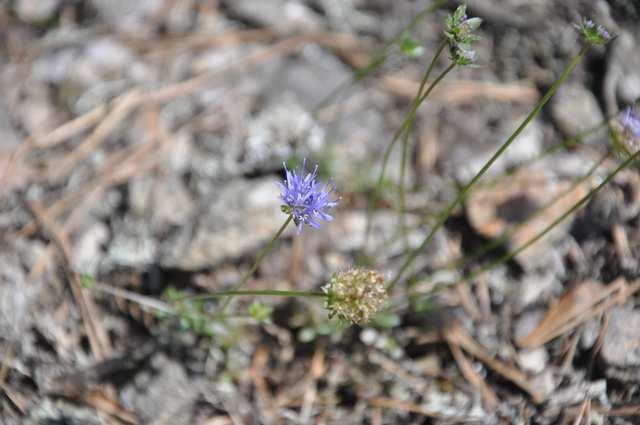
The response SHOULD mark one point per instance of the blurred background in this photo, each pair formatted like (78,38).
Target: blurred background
(140,147)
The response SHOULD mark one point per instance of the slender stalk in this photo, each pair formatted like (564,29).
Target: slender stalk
(381,57)
(406,124)
(263,253)
(490,246)
(401,193)
(257,292)
(463,193)
(547,229)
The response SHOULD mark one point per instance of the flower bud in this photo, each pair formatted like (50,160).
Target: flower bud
(593,33)
(355,295)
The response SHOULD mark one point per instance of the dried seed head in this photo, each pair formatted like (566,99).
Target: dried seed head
(355,295)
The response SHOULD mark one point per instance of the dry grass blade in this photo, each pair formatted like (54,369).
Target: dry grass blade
(406,406)
(98,339)
(317,370)
(99,401)
(490,398)
(143,300)
(455,334)
(464,91)
(581,414)
(575,307)
(120,111)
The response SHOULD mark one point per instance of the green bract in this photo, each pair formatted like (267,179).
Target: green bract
(459,33)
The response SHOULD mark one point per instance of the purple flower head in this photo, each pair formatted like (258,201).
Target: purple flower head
(305,198)
(630,122)
(594,33)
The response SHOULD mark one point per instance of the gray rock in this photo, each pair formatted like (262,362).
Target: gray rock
(59,411)
(282,15)
(164,395)
(281,129)
(135,17)
(17,296)
(10,138)
(36,11)
(163,202)
(526,323)
(87,248)
(239,218)
(534,361)
(132,244)
(621,345)
(313,63)
(475,139)
(575,110)
(536,287)
(544,383)
(622,81)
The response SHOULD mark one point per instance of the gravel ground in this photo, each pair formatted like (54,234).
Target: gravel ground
(140,148)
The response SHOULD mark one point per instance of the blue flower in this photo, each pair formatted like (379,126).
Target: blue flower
(594,33)
(630,122)
(305,198)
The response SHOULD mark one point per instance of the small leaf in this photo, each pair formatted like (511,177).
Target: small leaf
(306,335)
(386,320)
(411,48)
(473,23)
(87,281)
(260,312)
(459,13)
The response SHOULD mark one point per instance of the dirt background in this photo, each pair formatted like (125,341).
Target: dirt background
(140,146)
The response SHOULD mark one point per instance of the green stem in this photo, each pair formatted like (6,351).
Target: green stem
(401,194)
(381,57)
(406,124)
(263,253)
(547,229)
(464,261)
(257,292)
(463,193)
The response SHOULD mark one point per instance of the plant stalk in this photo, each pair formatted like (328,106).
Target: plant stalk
(463,193)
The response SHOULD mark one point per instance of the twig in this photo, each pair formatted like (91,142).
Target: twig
(98,339)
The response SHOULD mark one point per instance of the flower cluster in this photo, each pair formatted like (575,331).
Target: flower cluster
(629,125)
(594,33)
(355,295)
(305,199)
(459,32)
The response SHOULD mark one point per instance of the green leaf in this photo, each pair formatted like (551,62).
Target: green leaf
(386,320)
(411,48)
(459,13)
(306,335)
(87,281)
(260,312)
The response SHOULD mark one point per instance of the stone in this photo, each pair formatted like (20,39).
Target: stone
(241,216)
(10,137)
(36,11)
(53,412)
(134,18)
(533,361)
(536,287)
(165,393)
(575,110)
(282,15)
(87,248)
(622,81)
(621,346)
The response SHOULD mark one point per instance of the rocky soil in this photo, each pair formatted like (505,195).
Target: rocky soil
(140,147)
